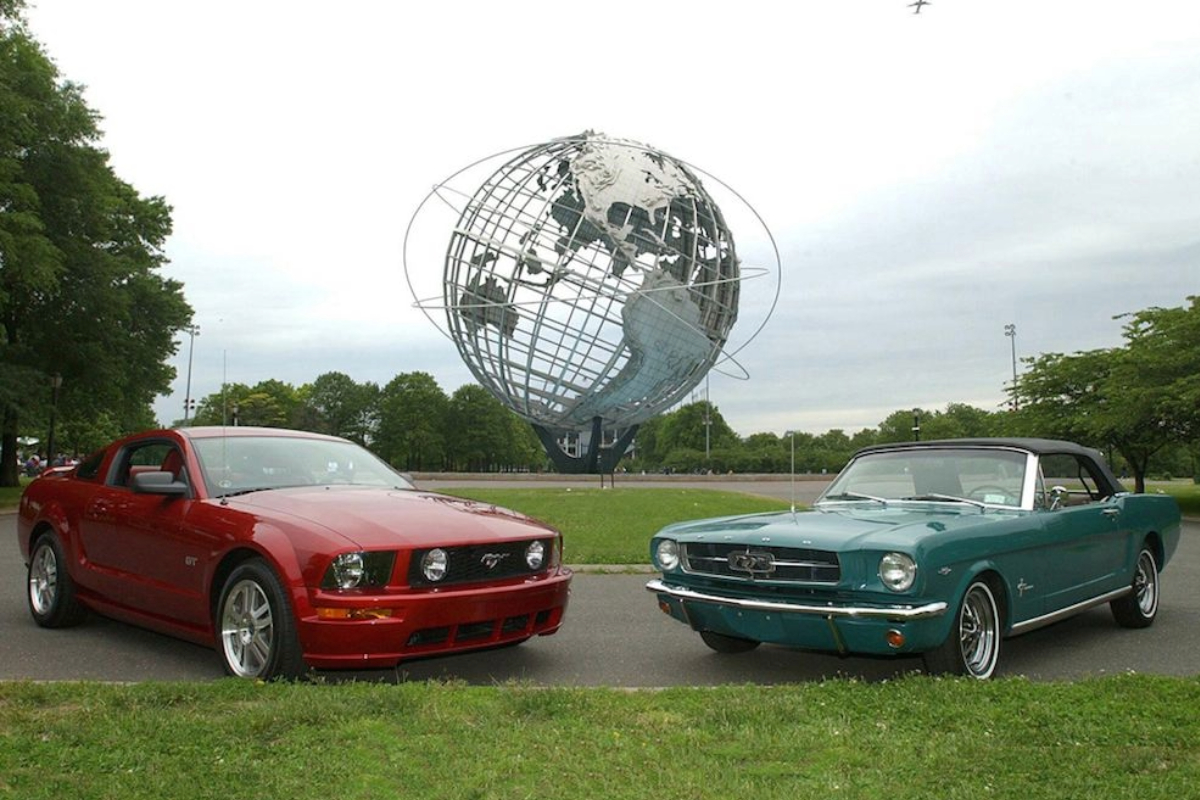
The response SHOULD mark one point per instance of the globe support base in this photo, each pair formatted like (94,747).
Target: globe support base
(597,460)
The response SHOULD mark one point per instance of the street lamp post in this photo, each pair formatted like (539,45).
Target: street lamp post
(916,426)
(1010,331)
(55,385)
(193,331)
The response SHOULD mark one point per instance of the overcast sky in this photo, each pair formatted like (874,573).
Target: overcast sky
(928,179)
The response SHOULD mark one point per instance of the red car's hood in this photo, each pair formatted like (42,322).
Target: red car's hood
(377,518)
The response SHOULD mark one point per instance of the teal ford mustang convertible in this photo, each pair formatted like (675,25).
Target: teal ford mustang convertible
(941,548)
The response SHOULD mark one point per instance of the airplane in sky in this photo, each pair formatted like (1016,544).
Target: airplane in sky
(918,5)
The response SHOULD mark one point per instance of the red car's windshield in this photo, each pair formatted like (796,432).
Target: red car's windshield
(234,464)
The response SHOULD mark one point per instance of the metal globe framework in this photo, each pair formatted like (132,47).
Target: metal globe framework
(589,284)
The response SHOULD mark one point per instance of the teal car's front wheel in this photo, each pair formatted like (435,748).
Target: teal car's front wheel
(973,646)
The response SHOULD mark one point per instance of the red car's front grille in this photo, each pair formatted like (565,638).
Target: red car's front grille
(480,563)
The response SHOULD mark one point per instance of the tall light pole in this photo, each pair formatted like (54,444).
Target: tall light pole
(193,331)
(55,385)
(1010,331)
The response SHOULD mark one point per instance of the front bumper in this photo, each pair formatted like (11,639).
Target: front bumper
(840,628)
(429,623)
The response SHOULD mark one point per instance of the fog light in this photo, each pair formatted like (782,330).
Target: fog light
(353,613)
(895,639)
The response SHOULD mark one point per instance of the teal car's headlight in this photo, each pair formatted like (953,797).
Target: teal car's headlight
(897,571)
(358,570)
(666,554)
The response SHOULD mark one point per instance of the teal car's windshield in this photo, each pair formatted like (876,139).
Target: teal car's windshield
(976,476)
(239,464)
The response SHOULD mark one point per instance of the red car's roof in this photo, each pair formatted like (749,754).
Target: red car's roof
(218,431)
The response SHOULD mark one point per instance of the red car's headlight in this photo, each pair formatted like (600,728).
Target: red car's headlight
(359,570)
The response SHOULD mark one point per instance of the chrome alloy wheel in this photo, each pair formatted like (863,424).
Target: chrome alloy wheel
(979,632)
(247,629)
(43,580)
(1145,584)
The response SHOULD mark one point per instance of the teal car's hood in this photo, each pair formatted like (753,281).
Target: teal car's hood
(841,528)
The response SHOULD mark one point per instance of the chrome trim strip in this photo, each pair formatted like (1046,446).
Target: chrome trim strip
(827,611)
(1069,611)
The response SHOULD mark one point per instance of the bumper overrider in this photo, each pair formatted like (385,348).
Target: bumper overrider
(835,627)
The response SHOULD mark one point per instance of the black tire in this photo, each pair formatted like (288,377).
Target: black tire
(973,646)
(255,626)
(51,591)
(1139,608)
(728,644)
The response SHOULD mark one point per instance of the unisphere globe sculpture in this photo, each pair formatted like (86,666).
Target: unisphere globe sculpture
(590,283)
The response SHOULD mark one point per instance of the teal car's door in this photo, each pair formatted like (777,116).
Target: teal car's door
(1085,534)
(1085,553)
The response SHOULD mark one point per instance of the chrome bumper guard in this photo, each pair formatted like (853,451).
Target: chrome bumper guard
(896,613)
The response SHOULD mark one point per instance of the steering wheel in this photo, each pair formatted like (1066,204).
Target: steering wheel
(981,493)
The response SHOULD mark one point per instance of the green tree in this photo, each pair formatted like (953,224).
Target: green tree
(1084,397)
(412,422)
(80,250)
(1163,369)
(686,428)
(268,404)
(480,431)
(339,406)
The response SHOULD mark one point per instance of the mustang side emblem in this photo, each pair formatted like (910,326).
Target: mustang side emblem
(752,562)
(490,560)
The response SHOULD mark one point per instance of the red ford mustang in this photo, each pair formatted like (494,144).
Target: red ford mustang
(287,550)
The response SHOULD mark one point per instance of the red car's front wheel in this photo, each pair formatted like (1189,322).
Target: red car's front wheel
(51,591)
(256,628)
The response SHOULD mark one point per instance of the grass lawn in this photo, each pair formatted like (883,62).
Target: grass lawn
(10,496)
(1186,493)
(1121,736)
(614,526)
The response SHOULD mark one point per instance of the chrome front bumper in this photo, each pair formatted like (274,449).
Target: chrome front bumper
(897,613)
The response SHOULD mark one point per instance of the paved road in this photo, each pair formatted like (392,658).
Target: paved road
(615,636)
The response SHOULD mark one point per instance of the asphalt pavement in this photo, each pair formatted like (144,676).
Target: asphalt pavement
(614,635)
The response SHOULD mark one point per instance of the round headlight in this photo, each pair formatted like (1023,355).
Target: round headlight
(535,555)
(434,564)
(667,554)
(897,571)
(348,570)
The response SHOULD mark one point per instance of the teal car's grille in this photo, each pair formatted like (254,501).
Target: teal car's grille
(752,562)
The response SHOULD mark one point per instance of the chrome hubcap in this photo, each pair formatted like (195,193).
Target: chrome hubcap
(978,633)
(247,631)
(1145,584)
(43,580)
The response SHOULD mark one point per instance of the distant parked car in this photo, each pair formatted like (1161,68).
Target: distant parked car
(284,550)
(941,548)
